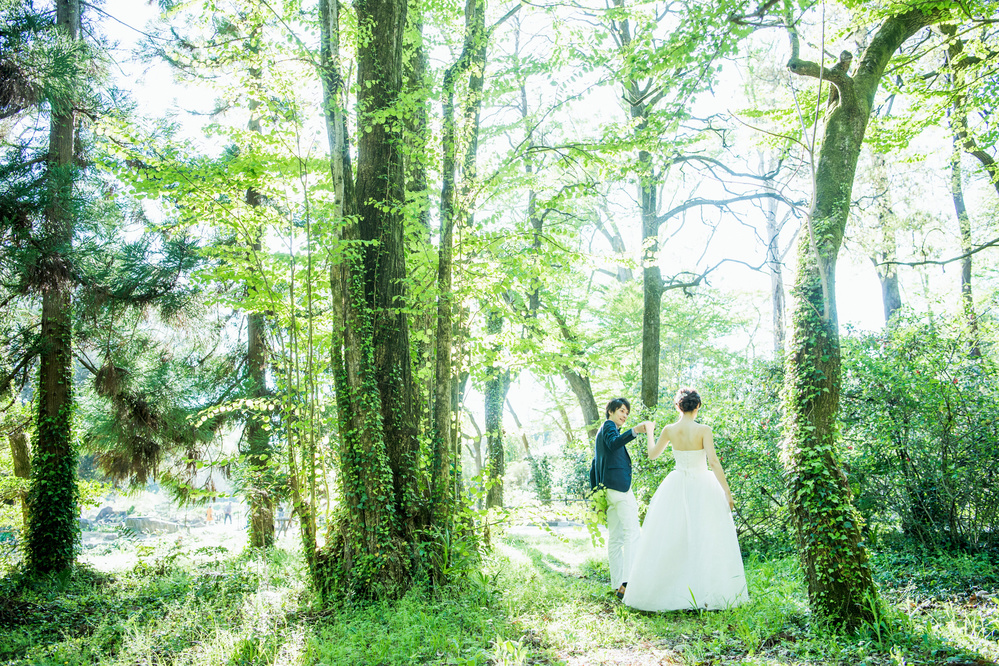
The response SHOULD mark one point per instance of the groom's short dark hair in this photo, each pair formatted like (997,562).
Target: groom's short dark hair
(616,404)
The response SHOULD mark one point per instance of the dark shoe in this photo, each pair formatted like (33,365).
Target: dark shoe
(620,591)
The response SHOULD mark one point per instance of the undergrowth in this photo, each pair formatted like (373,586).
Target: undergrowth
(536,600)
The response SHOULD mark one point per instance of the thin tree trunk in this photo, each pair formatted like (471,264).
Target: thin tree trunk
(21,454)
(959,124)
(53,529)
(257,434)
(454,206)
(887,271)
(579,382)
(652,280)
(835,563)
(775,262)
(497,385)
(955,49)
(964,224)
(613,236)
(418,138)
(520,429)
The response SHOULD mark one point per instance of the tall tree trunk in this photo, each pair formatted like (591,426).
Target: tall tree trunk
(652,283)
(53,528)
(497,385)
(964,225)
(370,355)
(455,205)
(775,261)
(258,438)
(959,124)
(652,280)
(884,256)
(835,563)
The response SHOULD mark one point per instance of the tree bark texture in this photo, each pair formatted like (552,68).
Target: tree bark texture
(53,529)
(775,266)
(891,296)
(380,195)
(497,385)
(20,452)
(369,549)
(581,388)
(827,526)
(652,282)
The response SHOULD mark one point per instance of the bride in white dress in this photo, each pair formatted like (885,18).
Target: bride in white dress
(688,556)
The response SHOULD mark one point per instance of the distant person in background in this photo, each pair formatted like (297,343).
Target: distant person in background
(227,518)
(210,517)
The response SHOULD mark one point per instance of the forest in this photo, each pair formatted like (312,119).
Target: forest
(309,312)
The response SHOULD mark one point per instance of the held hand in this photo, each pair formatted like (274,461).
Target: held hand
(644,427)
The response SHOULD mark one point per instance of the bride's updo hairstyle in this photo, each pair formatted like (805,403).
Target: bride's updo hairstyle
(687,400)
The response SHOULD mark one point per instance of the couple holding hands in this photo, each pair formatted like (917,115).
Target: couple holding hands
(686,554)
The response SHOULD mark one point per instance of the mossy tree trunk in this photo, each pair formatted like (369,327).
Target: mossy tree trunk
(53,530)
(827,527)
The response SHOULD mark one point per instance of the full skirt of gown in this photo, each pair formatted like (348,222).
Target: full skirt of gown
(688,556)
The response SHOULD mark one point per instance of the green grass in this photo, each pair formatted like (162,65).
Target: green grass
(536,600)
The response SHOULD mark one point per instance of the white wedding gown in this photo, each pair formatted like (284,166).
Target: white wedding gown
(689,554)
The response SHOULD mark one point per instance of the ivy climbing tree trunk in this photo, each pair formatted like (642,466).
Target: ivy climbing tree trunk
(455,206)
(835,562)
(53,529)
(369,552)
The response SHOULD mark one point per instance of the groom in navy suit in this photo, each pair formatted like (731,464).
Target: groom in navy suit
(612,469)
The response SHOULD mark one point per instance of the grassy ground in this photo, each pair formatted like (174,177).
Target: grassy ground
(538,600)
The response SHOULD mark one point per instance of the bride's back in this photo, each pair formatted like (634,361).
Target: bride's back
(686,435)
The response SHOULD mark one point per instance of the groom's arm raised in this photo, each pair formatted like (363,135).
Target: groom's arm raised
(615,439)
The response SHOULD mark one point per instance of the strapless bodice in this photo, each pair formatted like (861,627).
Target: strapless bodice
(690,461)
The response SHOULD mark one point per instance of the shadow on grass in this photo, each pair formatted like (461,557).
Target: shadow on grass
(572,608)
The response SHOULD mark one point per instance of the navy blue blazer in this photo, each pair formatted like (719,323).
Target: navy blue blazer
(611,463)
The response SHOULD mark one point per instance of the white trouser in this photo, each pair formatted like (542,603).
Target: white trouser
(623,532)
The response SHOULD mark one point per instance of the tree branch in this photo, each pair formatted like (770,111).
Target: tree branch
(942,262)
(722,203)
